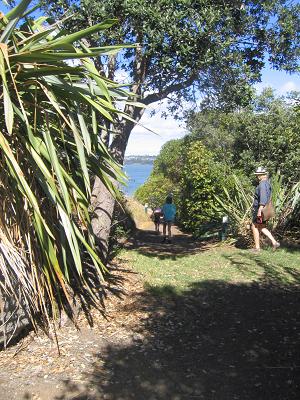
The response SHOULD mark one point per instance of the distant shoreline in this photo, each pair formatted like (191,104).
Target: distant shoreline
(139,159)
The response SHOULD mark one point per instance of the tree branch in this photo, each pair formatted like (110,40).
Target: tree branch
(153,97)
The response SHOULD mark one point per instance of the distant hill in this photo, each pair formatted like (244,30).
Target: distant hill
(139,159)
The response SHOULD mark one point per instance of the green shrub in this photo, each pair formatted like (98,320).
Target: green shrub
(202,178)
(155,190)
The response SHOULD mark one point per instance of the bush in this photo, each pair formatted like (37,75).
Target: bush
(155,190)
(202,179)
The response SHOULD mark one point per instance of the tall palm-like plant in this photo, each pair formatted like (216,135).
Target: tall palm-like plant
(237,205)
(50,150)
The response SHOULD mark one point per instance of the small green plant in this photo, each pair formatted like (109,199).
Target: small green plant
(154,190)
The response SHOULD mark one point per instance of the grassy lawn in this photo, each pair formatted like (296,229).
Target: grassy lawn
(222,323)
(177,274)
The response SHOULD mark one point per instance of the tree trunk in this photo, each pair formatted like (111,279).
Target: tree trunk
(103,202)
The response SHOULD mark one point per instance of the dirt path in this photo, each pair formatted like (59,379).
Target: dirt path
(148,242)
(218,342)
(33,369)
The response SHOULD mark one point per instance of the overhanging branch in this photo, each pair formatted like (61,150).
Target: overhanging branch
(153,97)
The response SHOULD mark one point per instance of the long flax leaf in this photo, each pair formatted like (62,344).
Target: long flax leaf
(50,152)
(8,107)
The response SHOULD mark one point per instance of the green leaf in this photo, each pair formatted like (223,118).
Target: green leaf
(18,11)
(57,168)
(8,107)
(82,33)
(13,17)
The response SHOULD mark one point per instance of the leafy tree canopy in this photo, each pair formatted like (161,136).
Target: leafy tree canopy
(165,177)
(155,190)
(187,169)
(265,133)
(183,48)
(219,46)
(202,178)
(170,160)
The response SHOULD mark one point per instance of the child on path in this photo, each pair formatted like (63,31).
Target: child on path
(156,215)
(169,211)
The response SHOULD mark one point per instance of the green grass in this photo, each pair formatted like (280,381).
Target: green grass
(175,275)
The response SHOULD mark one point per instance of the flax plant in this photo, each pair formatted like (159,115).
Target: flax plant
(237,205)
(52,112)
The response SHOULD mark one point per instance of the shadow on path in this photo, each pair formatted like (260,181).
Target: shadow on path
(149,243)
(218,341)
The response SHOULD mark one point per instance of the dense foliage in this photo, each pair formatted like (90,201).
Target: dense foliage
(155,190)
(202,178)
(165,176)
(216,47)
(264,133)
(186,169)
(51,113)
(212,168)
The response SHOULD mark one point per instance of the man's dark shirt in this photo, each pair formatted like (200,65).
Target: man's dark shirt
(262,194)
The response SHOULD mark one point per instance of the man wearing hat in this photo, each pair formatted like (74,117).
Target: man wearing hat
(262,197)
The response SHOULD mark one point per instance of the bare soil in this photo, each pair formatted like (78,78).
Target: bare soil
(33,368)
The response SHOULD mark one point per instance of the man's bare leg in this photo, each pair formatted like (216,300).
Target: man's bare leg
(255,232)
(269,235)
(164,232)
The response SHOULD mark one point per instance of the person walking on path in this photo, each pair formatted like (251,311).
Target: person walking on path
(169,211)
(146,206)
(156,216)
(262,197)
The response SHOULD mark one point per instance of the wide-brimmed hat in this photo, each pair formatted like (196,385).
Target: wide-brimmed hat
(261,171)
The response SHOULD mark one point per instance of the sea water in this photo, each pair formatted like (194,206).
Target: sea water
(137,175)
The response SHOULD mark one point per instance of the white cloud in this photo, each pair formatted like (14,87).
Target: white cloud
(121,76)
(259,87)
(143,142)
(288,87)
(280,89)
